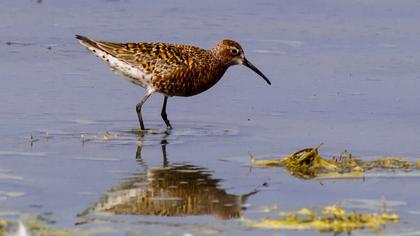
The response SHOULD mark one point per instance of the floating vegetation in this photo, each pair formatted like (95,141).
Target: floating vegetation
(5,195)
(30,225)
(3,225)
(85,137)
(329,219)
(107,136)
(308,164)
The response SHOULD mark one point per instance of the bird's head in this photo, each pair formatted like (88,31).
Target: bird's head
(231,53)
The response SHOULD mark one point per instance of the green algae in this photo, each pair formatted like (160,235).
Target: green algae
(308,164)
(331,218)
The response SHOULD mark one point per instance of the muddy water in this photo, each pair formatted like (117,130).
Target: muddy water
(344,74)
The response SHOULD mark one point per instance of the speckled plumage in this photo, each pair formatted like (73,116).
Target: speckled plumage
(169,69)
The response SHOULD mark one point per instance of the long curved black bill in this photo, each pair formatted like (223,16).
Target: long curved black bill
(255,69)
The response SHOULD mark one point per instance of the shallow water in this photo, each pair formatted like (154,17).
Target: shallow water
(343,73)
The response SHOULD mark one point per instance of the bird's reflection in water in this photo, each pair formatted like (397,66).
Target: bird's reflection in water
(171,190)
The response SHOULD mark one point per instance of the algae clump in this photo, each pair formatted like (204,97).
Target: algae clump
(330,219)
(308,163)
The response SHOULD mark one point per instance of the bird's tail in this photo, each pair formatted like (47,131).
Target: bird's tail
(85,41)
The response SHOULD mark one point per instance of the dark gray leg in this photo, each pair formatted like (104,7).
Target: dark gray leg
(138,108)
(163,113)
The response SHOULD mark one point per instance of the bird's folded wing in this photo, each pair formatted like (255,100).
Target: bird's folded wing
(151,57)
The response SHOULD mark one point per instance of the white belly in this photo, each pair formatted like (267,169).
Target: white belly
(132,73)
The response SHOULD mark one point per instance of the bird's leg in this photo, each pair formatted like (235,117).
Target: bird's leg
(163,113)
(139,105)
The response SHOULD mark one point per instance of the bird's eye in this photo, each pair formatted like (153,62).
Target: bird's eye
(234,51)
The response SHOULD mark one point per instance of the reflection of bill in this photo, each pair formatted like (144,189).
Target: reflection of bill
(173,190)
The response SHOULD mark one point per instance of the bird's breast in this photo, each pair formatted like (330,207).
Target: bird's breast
(187,82)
